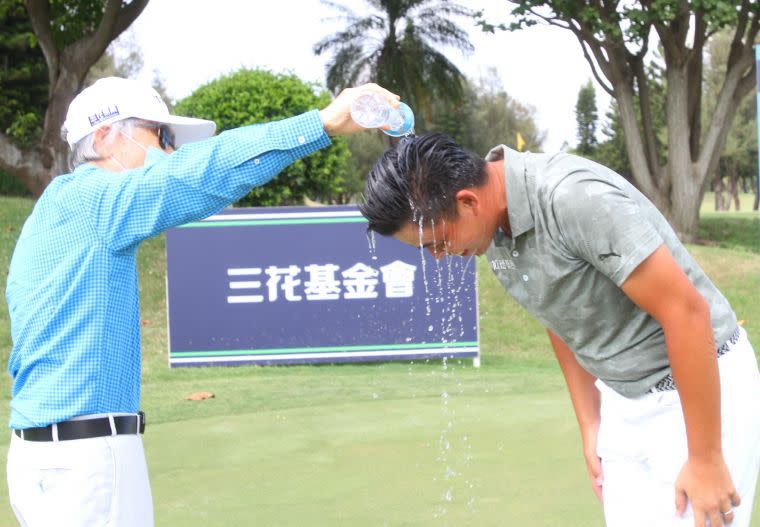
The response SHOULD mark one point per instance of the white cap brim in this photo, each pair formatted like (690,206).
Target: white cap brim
(185,129)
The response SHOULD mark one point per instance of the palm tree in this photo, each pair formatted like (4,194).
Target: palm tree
(396,48)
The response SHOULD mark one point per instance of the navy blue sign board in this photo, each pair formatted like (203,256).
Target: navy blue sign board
(293,285)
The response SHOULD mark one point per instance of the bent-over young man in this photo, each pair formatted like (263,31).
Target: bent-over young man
(663,381)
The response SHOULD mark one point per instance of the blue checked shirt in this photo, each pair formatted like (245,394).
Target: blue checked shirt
(72,285)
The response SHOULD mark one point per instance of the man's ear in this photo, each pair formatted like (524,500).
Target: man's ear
(469,201)
(101,147)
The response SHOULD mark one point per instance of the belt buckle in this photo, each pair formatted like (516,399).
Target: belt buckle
(141,422)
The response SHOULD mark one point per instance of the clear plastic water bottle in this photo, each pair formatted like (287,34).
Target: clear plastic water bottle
(371,110)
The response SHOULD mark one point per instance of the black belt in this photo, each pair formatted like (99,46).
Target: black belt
(668,383)
(86,428)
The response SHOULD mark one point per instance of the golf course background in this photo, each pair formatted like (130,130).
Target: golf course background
(389,444)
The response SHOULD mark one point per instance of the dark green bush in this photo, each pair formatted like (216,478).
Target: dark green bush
(10,186)
(258,96)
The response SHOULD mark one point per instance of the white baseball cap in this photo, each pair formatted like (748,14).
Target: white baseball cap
(112,99)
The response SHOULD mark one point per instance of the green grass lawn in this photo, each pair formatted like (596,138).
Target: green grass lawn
(731,229)
(377,444)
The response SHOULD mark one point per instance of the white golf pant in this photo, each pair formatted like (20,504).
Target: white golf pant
(101,481)
(642,444)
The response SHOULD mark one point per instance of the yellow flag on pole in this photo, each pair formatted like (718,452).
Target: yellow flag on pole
(520,142)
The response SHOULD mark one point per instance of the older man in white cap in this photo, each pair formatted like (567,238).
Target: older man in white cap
(76,455)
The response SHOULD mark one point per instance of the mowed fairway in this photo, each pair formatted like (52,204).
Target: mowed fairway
(417,444)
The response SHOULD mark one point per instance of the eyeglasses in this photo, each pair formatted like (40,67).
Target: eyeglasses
(165,137)
(165,134)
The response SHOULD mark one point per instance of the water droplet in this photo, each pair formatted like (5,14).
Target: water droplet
(372,244)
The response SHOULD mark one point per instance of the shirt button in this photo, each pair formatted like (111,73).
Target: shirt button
(525,278)
(515,254)
(257,161)
(301,139)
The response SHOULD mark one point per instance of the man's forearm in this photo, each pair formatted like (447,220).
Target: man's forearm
(580,384)
(691,351)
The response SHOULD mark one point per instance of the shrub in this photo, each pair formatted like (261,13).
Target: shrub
(259,96)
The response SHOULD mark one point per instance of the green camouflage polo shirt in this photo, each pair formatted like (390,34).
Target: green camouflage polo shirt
(578,231)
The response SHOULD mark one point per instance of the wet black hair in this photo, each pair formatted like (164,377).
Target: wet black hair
(418,178)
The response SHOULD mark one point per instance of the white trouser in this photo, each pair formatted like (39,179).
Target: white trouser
(101,481)
(642,444)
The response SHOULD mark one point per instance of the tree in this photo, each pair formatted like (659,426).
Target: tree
(586,117)
(611,152)
(23,84)
(258,96)
(488,117)
(23,77)
(615,39)
(71,35)
(365,149)
(738,160)
(123,58)
(491,117)
(396,47)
